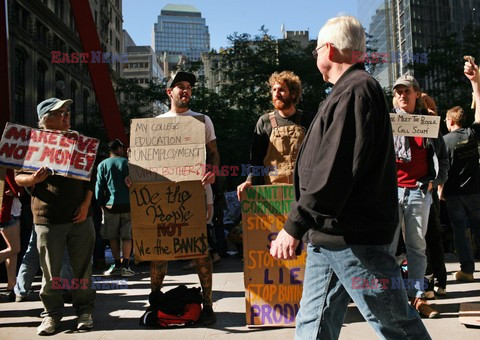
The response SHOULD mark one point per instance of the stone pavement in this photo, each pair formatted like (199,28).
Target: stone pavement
(117,311)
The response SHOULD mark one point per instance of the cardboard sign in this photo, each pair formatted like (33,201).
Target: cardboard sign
(67,153)
(415,125)
(273,288)
(168,220)
(170,148)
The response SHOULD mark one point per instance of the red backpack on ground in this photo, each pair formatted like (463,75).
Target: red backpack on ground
(179,307)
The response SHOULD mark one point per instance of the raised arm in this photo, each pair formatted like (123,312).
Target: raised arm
(472,73)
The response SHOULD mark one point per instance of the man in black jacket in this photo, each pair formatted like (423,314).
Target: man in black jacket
(346,201)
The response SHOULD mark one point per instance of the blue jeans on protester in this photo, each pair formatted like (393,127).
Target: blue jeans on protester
(464,211)
(30,264)
(413,212)
(333,275)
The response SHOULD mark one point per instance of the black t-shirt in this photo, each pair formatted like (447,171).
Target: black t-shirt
(462,148)
(263,130)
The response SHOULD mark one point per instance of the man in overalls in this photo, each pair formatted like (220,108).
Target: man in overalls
(279,134)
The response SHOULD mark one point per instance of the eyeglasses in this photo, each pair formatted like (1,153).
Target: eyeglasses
(315,51)
(60,113)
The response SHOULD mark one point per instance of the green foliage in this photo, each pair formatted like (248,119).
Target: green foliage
(244,94)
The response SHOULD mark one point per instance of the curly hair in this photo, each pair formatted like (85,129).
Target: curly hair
(291,79)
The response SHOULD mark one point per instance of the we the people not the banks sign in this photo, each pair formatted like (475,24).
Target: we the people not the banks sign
(169,220)
(66,153)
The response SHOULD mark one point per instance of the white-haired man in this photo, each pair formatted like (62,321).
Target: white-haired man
(346,201)
(63,219)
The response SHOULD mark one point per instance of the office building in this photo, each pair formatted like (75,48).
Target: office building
(180,34)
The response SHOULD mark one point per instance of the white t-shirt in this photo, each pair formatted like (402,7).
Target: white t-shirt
(209,129)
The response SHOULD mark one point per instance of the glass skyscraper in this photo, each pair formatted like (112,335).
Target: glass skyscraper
(180,31)
(411,27)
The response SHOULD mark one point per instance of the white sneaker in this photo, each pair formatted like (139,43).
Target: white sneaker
(113,271)
(127,272)
(85,322)
(441,291)
(48,326)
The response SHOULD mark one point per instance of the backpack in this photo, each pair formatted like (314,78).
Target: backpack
(179,307)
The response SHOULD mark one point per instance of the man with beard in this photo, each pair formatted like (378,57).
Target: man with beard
(179,90)
(279,134)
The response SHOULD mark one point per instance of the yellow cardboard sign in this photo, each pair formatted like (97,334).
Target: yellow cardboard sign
(273,288)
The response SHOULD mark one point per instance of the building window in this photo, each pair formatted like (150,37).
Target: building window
(73,96)
(42,32)
(20,63)
(86,96)
(59,85)
(59,8)
(41,72)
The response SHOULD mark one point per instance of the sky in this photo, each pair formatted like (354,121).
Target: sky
(224,17)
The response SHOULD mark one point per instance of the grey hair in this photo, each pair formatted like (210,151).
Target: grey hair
(346,33)
(42,121)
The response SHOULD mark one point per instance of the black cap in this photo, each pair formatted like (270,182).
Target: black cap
(182,76)
(114,144)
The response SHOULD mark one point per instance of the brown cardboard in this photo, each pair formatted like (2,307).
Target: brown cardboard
(273,288)
(168,220)
(171,148)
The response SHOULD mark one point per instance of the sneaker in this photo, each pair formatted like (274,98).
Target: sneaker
(20,298)
(127,272)
(441,291)
(207,317)
(113,271)
(461,276)
(429,294)
(48,326)
(85,322)
(424,309)
(189,265)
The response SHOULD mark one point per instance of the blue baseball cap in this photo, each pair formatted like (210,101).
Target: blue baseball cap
(51,104)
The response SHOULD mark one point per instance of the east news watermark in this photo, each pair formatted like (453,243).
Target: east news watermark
(98,283)
(93,57)
(389,283)
(390,57)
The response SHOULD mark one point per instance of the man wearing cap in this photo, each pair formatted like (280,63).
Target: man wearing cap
(417,177)
(112,195)
(179,90)
(62,218)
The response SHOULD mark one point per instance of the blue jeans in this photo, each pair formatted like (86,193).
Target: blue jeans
(331,277)
(30,265)
(464,211)
(413,211)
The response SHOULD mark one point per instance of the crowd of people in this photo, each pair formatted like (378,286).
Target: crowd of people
(361,191)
